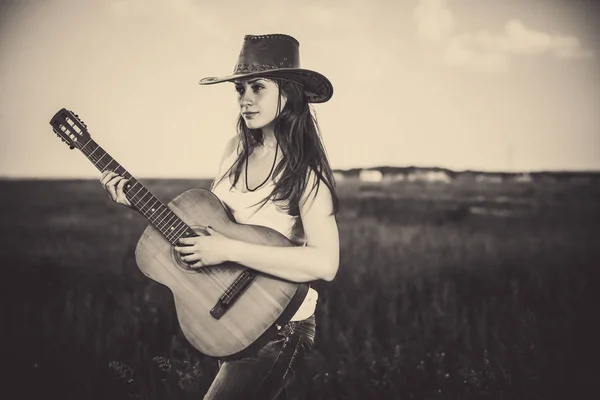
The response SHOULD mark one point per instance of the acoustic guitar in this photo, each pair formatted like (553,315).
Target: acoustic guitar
(223,310)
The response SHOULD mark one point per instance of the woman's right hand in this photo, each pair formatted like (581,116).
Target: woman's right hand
(113,183)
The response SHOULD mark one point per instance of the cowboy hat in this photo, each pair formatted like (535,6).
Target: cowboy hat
(276,56)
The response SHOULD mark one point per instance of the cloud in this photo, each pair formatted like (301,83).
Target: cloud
(434,20)
(485,51)
(517,38)
(461,52)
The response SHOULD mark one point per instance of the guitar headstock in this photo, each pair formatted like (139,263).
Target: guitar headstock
(70,129)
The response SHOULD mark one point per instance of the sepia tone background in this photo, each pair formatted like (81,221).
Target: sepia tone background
(486,85)
(457,280)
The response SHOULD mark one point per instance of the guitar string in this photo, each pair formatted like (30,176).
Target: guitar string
(208,273)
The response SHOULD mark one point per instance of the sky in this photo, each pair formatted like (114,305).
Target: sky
(510,85)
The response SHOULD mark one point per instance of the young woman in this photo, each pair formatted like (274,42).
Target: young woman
(274,173)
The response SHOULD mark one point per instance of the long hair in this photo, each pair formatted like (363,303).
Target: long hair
(297,133)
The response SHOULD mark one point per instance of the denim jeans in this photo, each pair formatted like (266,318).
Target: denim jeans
(264,374)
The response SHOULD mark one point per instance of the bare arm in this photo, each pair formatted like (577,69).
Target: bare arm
(319,259)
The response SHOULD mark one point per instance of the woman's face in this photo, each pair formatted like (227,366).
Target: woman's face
(258,101)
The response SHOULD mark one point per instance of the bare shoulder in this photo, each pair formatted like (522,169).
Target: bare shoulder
(230,147)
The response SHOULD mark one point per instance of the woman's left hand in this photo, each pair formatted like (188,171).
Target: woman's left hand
(201,251)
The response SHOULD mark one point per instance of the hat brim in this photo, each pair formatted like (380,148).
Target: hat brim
(317,87)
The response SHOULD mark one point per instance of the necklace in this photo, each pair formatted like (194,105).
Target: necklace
(268,176)
(270,146)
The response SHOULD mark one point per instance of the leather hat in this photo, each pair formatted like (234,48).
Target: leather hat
(276,56)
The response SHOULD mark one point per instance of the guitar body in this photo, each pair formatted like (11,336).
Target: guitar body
(249,322)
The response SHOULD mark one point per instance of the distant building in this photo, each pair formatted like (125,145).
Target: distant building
(394,176)
(524,177)
(489,177)
(347,174)
(428,175)
(370,175)
(437,176)
(465,176)
(338,176)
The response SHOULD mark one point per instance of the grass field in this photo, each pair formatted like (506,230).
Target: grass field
(445,291)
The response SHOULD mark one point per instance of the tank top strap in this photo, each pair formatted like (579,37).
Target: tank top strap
(229,160)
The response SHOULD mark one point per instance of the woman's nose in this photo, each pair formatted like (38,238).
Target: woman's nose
(246,98)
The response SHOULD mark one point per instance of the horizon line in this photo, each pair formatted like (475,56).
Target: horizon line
(184,177)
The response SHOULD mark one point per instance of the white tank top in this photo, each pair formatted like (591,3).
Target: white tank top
(244,210)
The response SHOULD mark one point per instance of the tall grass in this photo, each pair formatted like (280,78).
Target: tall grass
(432,300)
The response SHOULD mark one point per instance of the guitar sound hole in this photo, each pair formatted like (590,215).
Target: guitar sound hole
(176,257)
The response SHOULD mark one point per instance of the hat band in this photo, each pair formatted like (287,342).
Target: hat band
(247,68)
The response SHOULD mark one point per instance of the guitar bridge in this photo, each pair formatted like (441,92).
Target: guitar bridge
(233,293)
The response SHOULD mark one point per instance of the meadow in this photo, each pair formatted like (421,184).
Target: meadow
(445,291)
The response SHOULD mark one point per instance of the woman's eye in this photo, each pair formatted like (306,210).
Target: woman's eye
(256,88)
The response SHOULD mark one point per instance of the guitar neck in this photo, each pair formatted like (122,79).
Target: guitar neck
(155,211)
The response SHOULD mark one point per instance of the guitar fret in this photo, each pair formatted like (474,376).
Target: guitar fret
(151,197)
(176,239)
(130,187)
(151,208)
(174,228)
(160,222)
(169,225)
(180,225)
(86,143)
(100,159)
(97,147)
(169,233)
(135,203)
(165,219)
(106,166)
(138,191)
(158,216)
(142,198)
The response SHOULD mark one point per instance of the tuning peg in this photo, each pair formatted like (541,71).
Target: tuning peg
(71,147)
